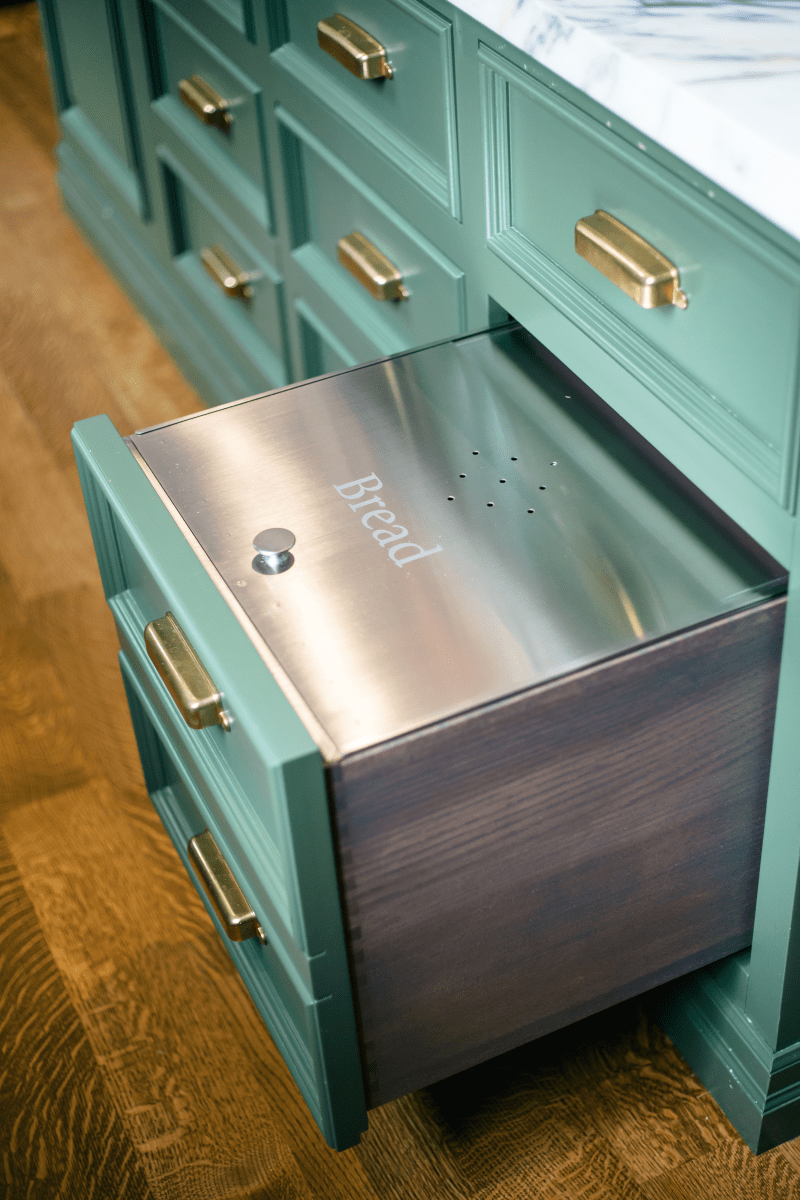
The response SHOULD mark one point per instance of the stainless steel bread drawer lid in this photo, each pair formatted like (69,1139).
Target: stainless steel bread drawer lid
(465,527)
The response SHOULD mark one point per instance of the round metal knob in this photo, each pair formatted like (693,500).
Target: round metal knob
(273,550)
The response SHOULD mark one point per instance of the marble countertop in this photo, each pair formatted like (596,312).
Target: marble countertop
(716,82)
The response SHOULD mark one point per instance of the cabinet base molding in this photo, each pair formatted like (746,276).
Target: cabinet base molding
(756,1087)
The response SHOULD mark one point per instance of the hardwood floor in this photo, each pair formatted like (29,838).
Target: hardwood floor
(132,1063)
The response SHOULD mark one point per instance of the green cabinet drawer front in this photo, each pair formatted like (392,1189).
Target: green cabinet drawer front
(235,151)
(330,202)
(258,787)
(548,166)
(409,118)
(284,1000)
(238,13)
(228,766)
(254,323)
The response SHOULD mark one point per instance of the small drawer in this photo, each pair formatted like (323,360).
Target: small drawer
(549,166)
(214,107)
(408,117)
(334,215)
(239,288)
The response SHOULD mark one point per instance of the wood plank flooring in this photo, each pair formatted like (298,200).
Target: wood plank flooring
(132,1063)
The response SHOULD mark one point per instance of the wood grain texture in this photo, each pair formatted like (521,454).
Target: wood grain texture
(149,1056)
(76,630)
(40,749)
(157,996)
(534,861)
(60,1134)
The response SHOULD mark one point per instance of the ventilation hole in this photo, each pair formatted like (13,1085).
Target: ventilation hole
(462,476)
(476,451)
(502,480)
(542,487)
(530,510)
(451,497)
(513,458)
(490,504)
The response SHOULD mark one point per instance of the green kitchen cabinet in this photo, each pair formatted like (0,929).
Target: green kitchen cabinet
(467,167)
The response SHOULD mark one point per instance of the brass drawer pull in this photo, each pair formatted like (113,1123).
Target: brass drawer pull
(183,675)
(205,102)
(227,898)
(371,268)
(353,47)
(226,273)
(631,263)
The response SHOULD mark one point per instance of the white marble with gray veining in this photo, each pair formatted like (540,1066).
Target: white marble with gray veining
(717,82)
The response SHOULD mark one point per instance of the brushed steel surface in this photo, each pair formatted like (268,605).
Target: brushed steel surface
(465,528)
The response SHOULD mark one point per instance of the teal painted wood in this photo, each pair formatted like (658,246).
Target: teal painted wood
(87,45)
(411,118)
(256,326)
(260,788)
(740,1029)
(756,1087)
(547,167)
(332,202)
(773,998)
(322,351)
(215,369)
(239,13)
(577,344)
(236,154)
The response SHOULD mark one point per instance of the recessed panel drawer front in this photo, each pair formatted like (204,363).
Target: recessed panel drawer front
(727,363)
(330,203)
(225,766)
(409,118)
(214,107)
(181,800)
(250,314)
(257,785)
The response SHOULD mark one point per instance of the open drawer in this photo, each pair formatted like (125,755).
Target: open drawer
(495,696)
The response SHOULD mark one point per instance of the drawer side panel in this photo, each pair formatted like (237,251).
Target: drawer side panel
(516,869)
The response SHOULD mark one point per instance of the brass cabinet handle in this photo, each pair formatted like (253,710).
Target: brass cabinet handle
(205,102)
(183,675)
(226,273)
(371,268)
(227,898)
(631,263)
(353,47)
